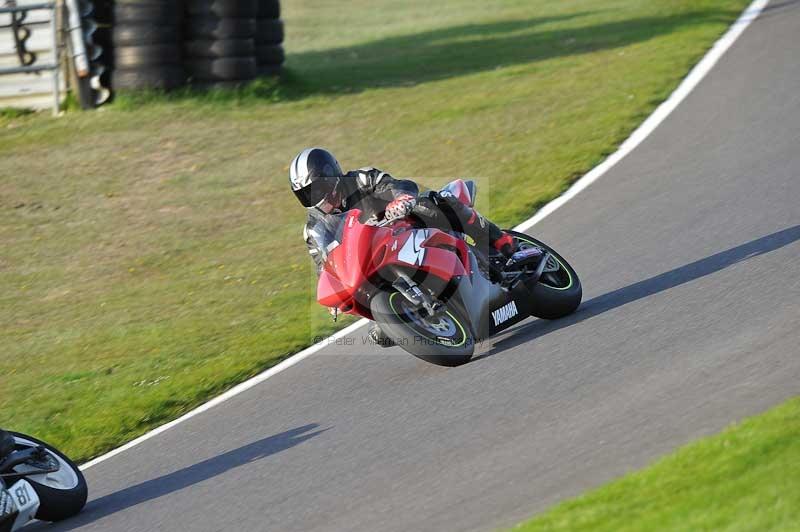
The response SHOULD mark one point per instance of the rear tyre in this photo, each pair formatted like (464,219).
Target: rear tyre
(218,48)
(270,54)
(157,13)
(557,294)
(144,34)
(223,8)
(213,27)
(157,77)
(62,494)
(223,69)
(269,9)
(444,340)
(269,71)
(269,31)
(146,55)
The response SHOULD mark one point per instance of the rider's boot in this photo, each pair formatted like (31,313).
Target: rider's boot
(6,444)
(377,336)
(505,244)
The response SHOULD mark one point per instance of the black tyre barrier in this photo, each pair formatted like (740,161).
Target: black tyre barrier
(147,55)
(226,85)
(270,54)
(159,77)
(161,13)
(163,44)
(268,9)
(212,27)
(223,8)
(103,12)
(268,70)
(222,69)
(269,31)
(141,34)
(220,48)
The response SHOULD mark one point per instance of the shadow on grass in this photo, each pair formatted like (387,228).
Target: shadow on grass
(446,53)
(659,283)
(472,48)
(189,476)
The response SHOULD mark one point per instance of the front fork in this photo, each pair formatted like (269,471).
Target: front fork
(408,288)
(414,294)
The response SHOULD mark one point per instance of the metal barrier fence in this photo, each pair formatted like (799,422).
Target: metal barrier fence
(18,30)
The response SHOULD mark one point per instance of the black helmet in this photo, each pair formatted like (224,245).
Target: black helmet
(314,175)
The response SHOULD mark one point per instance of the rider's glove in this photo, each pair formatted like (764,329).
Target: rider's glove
(400,207)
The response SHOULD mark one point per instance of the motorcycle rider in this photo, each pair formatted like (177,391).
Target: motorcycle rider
(323,189)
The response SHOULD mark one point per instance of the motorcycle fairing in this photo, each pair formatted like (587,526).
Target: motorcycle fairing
(490,307)
(21,504)
(369,257)
(365,251)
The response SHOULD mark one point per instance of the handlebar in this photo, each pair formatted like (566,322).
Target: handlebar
(382,223)
(385,223)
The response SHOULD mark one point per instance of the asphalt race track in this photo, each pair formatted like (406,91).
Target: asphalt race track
(688,251)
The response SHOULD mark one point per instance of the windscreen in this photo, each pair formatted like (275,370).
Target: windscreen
(326,233)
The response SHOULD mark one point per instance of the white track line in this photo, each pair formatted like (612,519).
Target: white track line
(642,132)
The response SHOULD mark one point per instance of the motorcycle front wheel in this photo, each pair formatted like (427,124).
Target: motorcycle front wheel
(443,339)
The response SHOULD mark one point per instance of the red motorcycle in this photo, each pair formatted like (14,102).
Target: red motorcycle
(431,291)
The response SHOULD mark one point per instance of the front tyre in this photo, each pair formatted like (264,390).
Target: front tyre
(558,292)
(444,339)
(63,493)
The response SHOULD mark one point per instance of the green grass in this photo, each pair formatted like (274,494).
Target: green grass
(745,478)
(151,252)
(10,113)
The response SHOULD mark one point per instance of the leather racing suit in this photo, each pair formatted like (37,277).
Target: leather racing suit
(371,190)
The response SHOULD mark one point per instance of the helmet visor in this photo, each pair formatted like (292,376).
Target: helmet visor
(317,192)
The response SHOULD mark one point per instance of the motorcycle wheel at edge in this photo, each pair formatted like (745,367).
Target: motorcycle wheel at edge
(61,494)
(557,294)
(444,339)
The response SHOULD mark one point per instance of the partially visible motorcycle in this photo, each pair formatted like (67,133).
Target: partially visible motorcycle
(37,481)
(433,292)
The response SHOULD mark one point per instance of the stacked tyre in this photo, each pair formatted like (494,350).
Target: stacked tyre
(269,38)
(220,44)
(147,44)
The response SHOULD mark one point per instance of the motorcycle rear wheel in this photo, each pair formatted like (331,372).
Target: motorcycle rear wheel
(444,340)
(557,294)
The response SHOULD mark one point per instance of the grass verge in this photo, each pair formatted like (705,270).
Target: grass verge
(742,479)
(151,252)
